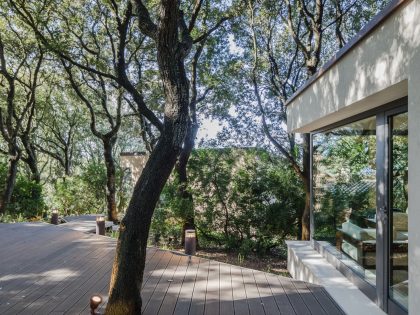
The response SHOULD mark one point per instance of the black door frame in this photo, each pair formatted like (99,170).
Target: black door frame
(390,306)
(380,293)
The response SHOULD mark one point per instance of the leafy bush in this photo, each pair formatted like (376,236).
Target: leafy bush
(27,199)
(9,218)
(74,196)
(82,193)
(244,199)
(166,229)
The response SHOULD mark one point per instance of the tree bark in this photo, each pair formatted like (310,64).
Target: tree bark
(127,273)
(14,157)
(110,179)
(67,162)
(31,159)
(129,263)
(181,169)
(305,235)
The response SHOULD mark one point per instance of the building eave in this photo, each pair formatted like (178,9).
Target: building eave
(378,20)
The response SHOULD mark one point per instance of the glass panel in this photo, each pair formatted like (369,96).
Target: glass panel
(344,192)
(399,215)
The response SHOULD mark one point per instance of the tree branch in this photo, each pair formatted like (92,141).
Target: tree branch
(212,29)
(146,25)
(254,78)
(122,77)
(194,15)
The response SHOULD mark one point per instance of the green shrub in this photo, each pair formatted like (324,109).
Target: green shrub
(73,195)
(244,200)
(27,199)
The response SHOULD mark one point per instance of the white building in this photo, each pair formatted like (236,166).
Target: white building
(363,112)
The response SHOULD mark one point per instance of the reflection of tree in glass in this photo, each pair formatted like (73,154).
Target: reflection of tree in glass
(400,164)
(344,177)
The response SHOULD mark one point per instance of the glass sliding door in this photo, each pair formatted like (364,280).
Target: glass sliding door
(398,216)
(344,193)
(360,201)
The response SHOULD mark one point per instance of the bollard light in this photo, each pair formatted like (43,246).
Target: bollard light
(54,217)
(94,303)
(100,225)
(190,242)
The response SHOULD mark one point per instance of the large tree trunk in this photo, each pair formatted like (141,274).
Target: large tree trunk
(181,169)
(110,179)
(305,235)
(14,157)
(127,273)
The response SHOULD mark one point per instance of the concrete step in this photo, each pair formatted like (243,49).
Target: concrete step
(306,264)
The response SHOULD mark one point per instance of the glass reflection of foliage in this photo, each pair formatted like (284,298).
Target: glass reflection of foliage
(400,163)
(344,177)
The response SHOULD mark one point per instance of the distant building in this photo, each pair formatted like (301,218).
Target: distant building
(133,162)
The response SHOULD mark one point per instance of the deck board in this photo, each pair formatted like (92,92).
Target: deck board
(211,306)
(162,287)
(252,294)
(280,296)
(240,302)
(46,269)
(267,299)
(226,290)
(171,296)
(183,304)
(294,297)
(200,287)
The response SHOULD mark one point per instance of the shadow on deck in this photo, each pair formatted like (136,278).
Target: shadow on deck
(53,269)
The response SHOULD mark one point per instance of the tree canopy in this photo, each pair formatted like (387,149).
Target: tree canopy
(83,81)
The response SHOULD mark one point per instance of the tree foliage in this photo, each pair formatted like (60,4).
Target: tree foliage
(244,199)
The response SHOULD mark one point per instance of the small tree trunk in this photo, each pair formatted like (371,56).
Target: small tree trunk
(110,179)
(306,183)
(14,157)
(306,231)
(31,159)
(67,162)
(181,168)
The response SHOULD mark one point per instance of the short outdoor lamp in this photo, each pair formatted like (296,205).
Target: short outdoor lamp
(100,225)
(54,217)
(190,242)
(94,303)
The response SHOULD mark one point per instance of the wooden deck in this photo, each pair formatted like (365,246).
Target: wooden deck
(46,269)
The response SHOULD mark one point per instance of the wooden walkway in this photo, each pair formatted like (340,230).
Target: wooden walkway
(46,269)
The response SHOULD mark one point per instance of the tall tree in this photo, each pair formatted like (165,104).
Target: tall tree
(173,43)
(89,52)
(20,71)
(285,43)
(170,40)
(59,131)
(101,93)
(201,86)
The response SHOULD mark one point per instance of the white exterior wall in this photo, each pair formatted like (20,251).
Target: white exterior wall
(371,74)
(135,163)
(414,174)
(383,67)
